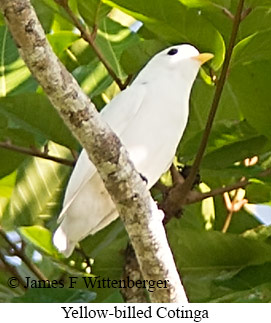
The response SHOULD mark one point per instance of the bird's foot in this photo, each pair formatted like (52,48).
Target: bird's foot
(185,170)
(144,178)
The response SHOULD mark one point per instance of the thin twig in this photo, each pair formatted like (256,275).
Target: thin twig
(128,81)
(220,85)
(224,10)
(94,32)
(90,39)
(18,252)
(236,204)
(245,13)
(181,192)
(228,13)
(36,153)
(233,206)
(197,196)
(229,205)
(177,178)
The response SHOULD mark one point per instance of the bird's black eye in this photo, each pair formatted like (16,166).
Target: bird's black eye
(172,51)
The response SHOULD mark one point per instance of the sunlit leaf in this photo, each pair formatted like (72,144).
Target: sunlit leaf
(40,237)
(172,22)
(6,188)
(61,40)
(256,47)
(14,75)
(37,194)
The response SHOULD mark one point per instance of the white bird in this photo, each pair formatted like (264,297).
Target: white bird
(149,117)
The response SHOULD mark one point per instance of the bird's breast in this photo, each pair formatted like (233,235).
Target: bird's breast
(152,136)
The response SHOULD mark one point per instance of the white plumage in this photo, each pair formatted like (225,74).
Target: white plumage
(149,117)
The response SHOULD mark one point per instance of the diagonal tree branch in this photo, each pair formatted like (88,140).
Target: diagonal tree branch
(177,196)
(138,211)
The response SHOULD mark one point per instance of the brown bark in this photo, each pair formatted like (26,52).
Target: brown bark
(142,219)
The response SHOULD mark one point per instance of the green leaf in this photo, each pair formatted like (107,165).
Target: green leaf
(112,39)
(137,55)
(93,78)
(204,258)
(204,3)
(235,152)
(37,117)
(62,40)
(115,297)
(251,84)
(39,187)
(81,52)
(191,218)
(259,294)
(2,20)
(44,13)
(240,222)
(47,8)
(7,185)
(107,247)
(6,293)
(6,188)
(93,11)
(251,277)
(256,47)
(261,232)
(200,103)
(258,192)
(40,237)
(263,3)
(14,75)
(10,160)
(196,3)
(258,20)
(228,143)
(55,295)
(172,22)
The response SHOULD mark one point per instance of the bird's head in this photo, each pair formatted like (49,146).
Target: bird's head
(180,60)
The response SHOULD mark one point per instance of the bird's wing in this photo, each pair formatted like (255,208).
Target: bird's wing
(122,109)
(83,171)
(117,114)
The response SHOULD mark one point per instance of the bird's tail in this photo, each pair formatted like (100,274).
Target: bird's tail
(62,243)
